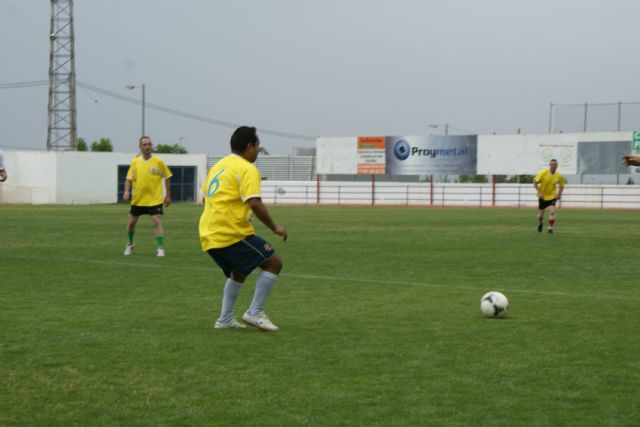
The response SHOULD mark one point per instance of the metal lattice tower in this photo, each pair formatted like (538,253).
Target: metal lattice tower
(61,133)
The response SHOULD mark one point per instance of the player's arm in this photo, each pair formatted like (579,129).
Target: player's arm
(560,189)
(260,210)
(166,173)
(127,190)
(631,160)
(537,187)
(167,192)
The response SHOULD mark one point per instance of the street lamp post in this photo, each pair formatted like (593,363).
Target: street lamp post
(131,87)
(446,128)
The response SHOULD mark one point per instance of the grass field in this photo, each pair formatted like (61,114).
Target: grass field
(378,310)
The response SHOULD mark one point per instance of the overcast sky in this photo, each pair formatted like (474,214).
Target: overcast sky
(319,68)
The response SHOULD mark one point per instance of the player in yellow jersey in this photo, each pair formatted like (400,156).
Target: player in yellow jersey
(231,194)
(549,185)
(145,177)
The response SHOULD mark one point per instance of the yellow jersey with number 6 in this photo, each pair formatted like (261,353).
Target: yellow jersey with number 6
(226,218)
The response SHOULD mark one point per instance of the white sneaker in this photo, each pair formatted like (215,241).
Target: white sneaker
(261,321)
(232,324)
(128,250)
(160,252)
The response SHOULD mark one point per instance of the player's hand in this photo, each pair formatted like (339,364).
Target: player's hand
(281,231)
(167,201)
(125,196)
(625,160)
(558,196)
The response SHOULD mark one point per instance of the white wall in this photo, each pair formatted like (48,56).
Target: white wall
(69,177)
(31,177)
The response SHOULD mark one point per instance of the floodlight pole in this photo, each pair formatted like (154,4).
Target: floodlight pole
(446,127)
(144,102)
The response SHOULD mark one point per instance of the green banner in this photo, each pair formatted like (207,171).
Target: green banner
(636,140)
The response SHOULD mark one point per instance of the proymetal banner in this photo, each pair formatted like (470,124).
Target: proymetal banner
(425,155)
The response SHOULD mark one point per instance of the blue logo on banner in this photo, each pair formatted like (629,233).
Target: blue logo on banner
(402,150)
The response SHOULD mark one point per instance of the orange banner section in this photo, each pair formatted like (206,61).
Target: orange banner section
(371,155)
(371,142)
(371,169)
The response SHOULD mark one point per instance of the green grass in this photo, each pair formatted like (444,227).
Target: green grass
(378,310)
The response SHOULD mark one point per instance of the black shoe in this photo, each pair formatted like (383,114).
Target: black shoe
(550,231)
(540,227)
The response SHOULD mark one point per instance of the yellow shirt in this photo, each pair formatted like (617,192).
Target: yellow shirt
(226,218)
(146,179)
(548,183)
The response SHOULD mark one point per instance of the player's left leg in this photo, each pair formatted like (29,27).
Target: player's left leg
(552,218)
(159,233)
(266,279)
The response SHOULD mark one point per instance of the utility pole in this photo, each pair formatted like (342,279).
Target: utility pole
(62,128)
(144,102)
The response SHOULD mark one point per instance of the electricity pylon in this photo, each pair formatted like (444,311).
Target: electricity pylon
(62,128)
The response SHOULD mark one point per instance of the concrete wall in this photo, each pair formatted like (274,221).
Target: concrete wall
(39,177)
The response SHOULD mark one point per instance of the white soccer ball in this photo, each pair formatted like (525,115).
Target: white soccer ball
(494,304)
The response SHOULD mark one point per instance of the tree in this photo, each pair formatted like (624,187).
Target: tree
(472,178)
(172,149)
(103,145)
(520,179)
(81,145)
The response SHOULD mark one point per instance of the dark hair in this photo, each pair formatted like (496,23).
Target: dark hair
(141,138)
(242,137)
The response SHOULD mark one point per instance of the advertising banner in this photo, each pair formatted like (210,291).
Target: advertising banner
(371,155)
(635,149)
(337,156)
(426,155)
(526,154)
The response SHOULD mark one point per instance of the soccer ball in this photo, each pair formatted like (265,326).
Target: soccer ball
(494,304)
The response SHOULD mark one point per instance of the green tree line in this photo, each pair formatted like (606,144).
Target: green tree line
(104,144)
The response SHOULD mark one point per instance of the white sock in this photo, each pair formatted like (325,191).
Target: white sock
(265,282)
(229,297)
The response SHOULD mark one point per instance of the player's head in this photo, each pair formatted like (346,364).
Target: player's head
(553,165)
(245,143)
(145,144)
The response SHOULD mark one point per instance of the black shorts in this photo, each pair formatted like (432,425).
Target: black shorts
(146,210)
(544,204)
(243,256)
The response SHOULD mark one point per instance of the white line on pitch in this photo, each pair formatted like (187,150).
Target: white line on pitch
(327,278)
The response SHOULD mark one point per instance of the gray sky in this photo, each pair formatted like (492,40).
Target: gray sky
(320,68)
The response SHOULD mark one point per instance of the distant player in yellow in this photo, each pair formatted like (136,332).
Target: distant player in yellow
(231,193)
(143,186)
(549,185)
